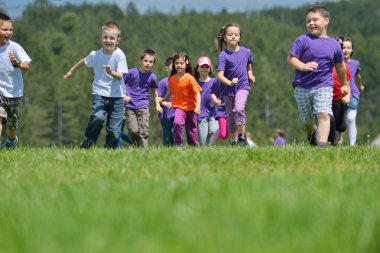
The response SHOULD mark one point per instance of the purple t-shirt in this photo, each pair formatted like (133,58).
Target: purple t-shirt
(219,89)
(280,141)
(234,64)
(137,86)
(167,113)
(325,51)
(354,67)
(208,109)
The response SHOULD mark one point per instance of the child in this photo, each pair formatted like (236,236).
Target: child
(337,124)
(138,82)
(356,86)
(313,56)
(208,127)
(167,115)
(108,64)
(14,60)
(235,71)
(186,100)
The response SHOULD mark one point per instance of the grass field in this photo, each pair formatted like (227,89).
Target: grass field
(295,199)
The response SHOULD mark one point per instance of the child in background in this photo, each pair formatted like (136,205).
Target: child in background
(337,123)
(13,60)
(186,100)
(167,115)
(208,127)
(108,63)
(313,56)
(235,71)
(138,82)
(356,86)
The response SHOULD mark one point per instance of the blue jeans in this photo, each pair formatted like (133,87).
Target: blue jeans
(104,108)
(167,131)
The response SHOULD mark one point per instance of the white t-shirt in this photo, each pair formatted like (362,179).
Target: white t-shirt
(11,82)
(104,84)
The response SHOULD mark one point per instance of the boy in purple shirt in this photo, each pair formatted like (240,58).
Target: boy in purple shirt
(138,82)
(313,56)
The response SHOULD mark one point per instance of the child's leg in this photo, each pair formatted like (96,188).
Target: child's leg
(351,123)
(213,131)
(132,125)
(323,127)
(115,117)
(239,110)
(223,132)
(231,126)
(97,118)
(178,124)
(203,131)
(191,128)
(167,131)
(322,108)
(143,122)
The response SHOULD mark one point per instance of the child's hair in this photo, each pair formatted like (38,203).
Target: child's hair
(148,52)
(340,40)
(111,25)
(349,38)
(222,32)
(280,132)
(168,61)
(4,17)
(319,9)
(183,55)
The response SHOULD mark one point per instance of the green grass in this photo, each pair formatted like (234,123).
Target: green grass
(296,199)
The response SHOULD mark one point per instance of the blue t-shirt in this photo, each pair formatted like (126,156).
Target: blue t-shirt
(234,65)
(137,86)
(163,89)
(324,51)
(208,109)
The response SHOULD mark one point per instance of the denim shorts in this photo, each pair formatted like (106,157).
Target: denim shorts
(9,111)
(354,102)
(313,101)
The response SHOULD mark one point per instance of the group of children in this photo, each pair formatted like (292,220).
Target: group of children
(206,107)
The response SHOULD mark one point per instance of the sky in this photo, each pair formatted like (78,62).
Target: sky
(14,8)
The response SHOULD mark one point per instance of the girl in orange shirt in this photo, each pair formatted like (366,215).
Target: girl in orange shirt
(186,100)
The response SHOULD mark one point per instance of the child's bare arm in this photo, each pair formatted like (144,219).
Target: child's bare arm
(358,82)
(224,80)
(344,85)
(156,99)
(17,64)
(114,74)
(197,109)
(251,77)
(299,65)
(215,100)
(74,68)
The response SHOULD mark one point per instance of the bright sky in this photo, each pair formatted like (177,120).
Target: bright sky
(14,8)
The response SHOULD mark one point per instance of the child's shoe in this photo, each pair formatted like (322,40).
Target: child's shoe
(86,144)
(233,142)
(11,144)
(242,140)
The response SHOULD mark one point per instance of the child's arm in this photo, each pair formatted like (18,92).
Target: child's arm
(251,77)
(74,68)
(224,80)
(15,63)
(344,85)
(299,65)
(114,74)
(156,99)
(197,109)
(358,82)
(166,97)
(215,100)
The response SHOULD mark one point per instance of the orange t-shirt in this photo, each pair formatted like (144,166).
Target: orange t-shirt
(184,92)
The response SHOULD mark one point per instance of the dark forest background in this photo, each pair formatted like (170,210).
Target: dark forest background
(56,111)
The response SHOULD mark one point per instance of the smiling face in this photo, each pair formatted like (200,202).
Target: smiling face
(347,50)
(180,65)
(110,38)
(6,31)
(316,24)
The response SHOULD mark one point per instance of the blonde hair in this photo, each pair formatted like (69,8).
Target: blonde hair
(111,25)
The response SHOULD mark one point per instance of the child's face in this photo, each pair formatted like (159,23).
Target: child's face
(110,39)
(169,68)
(147,63)
(6,32)
(347,49)
(232,37)
(316,24)
(204,70)
(180,65)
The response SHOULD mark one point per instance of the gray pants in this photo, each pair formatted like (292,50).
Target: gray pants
(208,130)
(138,126)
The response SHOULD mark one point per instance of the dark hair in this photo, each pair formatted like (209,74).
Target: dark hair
(349,38)
(169,61)
(148,52)
(4,17)
(197,75)
(222,33)
(187,61)
(319,9)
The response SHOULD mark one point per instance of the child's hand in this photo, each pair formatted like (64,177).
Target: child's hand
(126,99)
(345,89)
(13,59)
(251,78)
(159,109)
(361,89)
(159,99)
(108,69)
(68,74)
(346,99)
(167,104)
(310,66)
(234,81)
(197,110)
(217,102)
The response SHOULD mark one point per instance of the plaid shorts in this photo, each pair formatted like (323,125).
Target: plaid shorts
(313,101)
(9,111)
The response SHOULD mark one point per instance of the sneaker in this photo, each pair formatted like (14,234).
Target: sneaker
(338,138)
(86,144)
(11,144)
(233,142)
(242,140)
